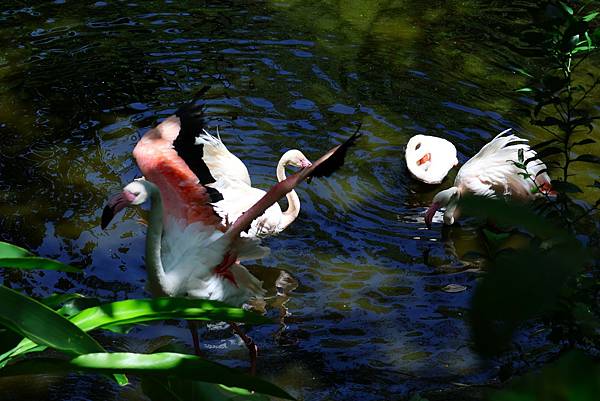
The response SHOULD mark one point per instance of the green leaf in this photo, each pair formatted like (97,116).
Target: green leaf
(53,301)
(512,214)
(590,16)
(573,377)
(544,144)
(161,365)
(189,390)
(134,311)
(529,283)
(586,141)
(34,262)
(568,9)
(43,326)
(522,71)
(587,158)
(12,251)
(565,187)
(524,90)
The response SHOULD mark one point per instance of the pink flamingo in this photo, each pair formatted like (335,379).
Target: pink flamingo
(233,182)
(492,172)
(189,252)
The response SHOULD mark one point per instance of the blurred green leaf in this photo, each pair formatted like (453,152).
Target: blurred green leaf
(591,16)
(524,90)
(586,141)
(12,251)
(161,365)
(189,390)
(565,187)
(34,262)
(588,159)
(134,311)
(568,9)
(53,301)
(512,214)
(544,144)
(41,325)
(520,285)
(574,377)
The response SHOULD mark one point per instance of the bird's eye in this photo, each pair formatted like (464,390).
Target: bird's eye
(418,146)
(136,194)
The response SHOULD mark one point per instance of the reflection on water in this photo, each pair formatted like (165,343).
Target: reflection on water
(370,304)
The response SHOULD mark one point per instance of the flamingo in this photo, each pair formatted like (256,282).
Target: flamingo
(492,172)
(233,182)
(189,252)
(429,158)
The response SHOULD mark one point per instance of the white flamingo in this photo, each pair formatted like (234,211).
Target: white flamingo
(189,252)
(492,173)
(429,158)
(233,182)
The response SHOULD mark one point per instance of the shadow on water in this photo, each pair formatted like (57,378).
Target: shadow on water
(371,304)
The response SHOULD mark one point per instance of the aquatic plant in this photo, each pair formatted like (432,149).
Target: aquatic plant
(555,277)
(58,322)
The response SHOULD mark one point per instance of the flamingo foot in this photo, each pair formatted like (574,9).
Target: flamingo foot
(250,344)
(193,325)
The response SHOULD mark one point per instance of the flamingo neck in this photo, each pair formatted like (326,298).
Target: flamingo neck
(157,280)
(292,197)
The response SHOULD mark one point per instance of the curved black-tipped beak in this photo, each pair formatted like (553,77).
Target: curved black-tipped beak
(430,213)
(114,206)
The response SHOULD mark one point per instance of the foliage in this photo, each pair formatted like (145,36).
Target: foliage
(575,377)
(556,276)
(58,323)
(563,37)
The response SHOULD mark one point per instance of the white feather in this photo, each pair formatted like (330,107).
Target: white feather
(224,166)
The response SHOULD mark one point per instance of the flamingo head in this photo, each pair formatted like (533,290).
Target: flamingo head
(448,199)
(295,158)
(134,193)
(429,158)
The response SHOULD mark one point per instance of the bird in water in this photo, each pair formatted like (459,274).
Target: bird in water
(233,182)
(429,158)
(189,251)
(494,173)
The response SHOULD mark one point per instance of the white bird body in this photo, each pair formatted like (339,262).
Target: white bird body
(429,158)
(189,252)
(233,182)
(181,257)
(493,172)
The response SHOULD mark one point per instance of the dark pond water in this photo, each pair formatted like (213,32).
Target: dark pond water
(371,316)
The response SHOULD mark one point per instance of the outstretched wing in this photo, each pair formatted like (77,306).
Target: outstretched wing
(323,167)
(226,168)
(493,172)
(168,157)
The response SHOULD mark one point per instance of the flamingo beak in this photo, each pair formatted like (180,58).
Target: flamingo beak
(430,213)
(114,206)
(424,159)
(305,163)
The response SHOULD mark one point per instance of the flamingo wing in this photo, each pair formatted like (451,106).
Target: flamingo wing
(226,168)
(323,167)
(493,172)
(166,156)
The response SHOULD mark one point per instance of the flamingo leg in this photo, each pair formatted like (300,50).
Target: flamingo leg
(252,347)
(193,325)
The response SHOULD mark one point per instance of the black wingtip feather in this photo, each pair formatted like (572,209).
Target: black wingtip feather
(191,117)
(336,160)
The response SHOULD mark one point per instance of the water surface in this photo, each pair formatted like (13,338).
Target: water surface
(367,313)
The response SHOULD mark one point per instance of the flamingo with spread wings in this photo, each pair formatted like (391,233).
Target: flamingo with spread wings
(492,172)
(233,182)
(189,251)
